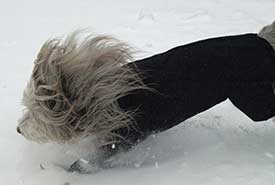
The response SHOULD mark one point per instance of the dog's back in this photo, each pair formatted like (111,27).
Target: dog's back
(192,78)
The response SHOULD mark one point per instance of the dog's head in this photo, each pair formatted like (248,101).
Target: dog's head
(74,88)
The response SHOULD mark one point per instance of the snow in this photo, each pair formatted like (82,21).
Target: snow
(221,146)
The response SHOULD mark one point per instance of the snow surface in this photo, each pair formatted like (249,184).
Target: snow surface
(218,147)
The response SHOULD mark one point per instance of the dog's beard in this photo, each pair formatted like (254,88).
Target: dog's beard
(43,133)
(35,131)
(74,88)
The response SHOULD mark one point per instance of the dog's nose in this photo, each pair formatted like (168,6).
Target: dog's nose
(18,130)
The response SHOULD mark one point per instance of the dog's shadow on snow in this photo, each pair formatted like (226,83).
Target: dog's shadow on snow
(172,145)
(207,133)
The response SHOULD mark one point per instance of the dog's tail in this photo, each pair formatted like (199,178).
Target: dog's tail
(268,33)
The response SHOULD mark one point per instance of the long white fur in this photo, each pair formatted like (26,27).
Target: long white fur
(74,88)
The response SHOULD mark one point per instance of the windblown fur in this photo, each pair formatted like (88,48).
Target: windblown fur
(268,33)
(75,85)
(74,88)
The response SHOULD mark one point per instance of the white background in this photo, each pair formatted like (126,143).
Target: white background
(220,146)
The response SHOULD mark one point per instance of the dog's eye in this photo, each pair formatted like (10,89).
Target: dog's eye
(51,103)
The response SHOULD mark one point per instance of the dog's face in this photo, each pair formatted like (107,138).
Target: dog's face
(29,126)
(47,114)
(74,88)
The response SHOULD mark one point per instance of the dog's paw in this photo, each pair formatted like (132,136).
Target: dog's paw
(84,167)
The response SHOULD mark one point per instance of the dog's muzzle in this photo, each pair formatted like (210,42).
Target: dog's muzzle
(21,122)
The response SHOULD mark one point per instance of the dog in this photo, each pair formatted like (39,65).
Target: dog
(93,87)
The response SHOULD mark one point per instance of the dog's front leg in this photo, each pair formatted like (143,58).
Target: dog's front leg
(86,166)
(91,163)
(97,161)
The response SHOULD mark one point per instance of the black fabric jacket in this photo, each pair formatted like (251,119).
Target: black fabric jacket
(194,77)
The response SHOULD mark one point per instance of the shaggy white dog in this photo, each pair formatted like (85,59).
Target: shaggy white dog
(76,83)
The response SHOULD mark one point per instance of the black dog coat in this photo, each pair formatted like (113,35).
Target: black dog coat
(192,78)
